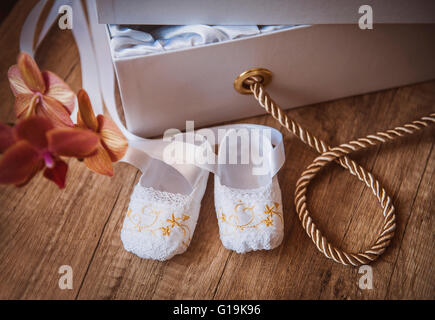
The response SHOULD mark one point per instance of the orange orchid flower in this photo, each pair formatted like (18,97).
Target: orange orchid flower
(113,144)
(34,144)
(40,93)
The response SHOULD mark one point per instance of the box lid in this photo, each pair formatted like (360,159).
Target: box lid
(261,12)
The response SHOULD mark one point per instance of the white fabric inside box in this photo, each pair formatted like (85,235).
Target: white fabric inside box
(141,40)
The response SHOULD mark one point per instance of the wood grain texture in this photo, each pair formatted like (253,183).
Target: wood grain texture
(42,228)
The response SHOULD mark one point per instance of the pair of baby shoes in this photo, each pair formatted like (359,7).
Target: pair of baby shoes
(164,208)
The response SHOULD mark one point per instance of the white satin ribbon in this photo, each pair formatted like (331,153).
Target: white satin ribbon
(98,80)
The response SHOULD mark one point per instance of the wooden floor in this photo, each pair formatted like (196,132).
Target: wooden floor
(43,228)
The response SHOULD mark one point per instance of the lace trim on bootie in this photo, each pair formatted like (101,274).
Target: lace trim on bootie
(261,193)
(149,194)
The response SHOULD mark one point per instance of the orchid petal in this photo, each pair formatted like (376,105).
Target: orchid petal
(55,111)
(100,162)
(113,139)
(32,107)
(18,86)
(59,90)
(23,102)
(85,116)
(18,163)
(57,174)
(7,137)
(38,166)
(78,143)
(30,73)
(34,131)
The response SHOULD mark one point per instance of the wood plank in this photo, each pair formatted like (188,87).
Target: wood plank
(414,266)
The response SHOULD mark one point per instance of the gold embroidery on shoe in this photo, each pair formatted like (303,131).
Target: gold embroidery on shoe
(166,231)
(222,216)
(233,220)
(268,221)
(173,221)
(137,220)
(270,211)
(186,231)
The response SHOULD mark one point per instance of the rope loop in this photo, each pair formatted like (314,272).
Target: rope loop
(339,154)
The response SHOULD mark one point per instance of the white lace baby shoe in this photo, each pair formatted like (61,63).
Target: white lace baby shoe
(249,205)
(160,224)
(162,216)
(249,219)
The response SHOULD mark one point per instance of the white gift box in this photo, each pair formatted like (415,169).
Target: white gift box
(262,12)
(310,63)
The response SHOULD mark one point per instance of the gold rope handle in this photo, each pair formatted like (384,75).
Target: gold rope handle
(252,81)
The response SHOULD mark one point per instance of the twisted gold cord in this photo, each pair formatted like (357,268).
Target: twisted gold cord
(339,154)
